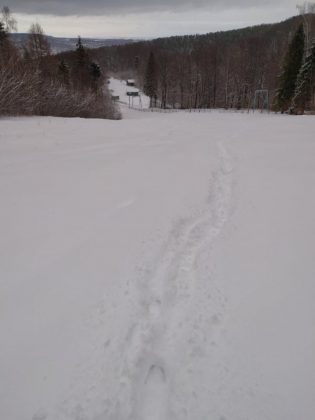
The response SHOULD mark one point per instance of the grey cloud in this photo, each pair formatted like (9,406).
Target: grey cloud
(101,7)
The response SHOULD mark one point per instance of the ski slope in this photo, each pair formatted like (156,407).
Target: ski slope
(160,267)
(119,88)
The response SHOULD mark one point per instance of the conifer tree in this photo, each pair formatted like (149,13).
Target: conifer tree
(3,33)
(305,83)
(291,67)
(7,24)
(95,73)
(64,72)
(81,66)
(81,56)
(150,82)
(3,43)
(7,49)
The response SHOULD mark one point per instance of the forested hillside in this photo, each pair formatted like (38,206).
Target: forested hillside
(222,69)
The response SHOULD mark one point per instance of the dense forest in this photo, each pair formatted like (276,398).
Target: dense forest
(232,69)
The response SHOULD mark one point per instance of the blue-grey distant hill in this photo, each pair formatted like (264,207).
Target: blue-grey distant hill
(68,44)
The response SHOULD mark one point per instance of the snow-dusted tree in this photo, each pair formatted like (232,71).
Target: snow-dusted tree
(9,22)
(305,83)
(3,33)
(151,82)
(291,67)
(7,49)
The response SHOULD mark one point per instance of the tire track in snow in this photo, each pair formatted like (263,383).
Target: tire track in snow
(150,346)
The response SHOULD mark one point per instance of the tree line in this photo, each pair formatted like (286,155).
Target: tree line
(216,70)
(33,81)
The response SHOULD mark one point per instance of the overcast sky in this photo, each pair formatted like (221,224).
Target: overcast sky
(145,18)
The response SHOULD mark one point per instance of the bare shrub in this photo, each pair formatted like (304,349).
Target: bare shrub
(18,89)
(59,100)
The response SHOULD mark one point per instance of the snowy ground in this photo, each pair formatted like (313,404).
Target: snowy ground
(120,88)
(157,268)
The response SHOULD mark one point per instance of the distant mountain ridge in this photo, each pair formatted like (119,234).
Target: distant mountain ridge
(67,44)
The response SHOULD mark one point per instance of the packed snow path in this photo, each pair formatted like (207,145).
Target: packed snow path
(157,268)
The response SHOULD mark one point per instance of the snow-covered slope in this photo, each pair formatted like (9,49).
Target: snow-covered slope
(159,267)
(120,88)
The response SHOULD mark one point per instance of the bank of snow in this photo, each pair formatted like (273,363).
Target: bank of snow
(159,267)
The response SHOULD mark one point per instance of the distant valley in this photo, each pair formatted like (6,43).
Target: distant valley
(66,44)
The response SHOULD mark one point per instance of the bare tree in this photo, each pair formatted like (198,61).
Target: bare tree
(18,88)
(38,45)
(306,7)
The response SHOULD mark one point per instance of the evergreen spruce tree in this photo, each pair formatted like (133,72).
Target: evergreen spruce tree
(291,67)
(80,53)
(7,49)
(81,69)
(3,32)
(3,43)
(96,73)
(64,73)
(150,82)
(305,83)
(7,24)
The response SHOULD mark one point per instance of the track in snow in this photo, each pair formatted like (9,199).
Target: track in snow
(166,295)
